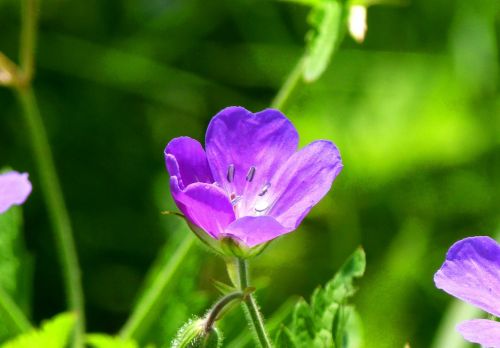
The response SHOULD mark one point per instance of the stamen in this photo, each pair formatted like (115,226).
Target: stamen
(251,174)
(230,173)
(261,206)
(236,200)
(264,189)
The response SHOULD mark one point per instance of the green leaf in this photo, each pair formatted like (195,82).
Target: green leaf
(341,286)
(284,339)
(12,251)
(303,324)
(15,264)
(326,21)
(54,333)
(328,322)
(106,341)
(323,339)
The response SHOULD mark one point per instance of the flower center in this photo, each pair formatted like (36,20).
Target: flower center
(259,204)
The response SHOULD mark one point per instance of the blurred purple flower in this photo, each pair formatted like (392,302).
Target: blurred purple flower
(471,273)
(14,189)
(251,184)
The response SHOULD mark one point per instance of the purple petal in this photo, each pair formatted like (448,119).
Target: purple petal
(186,159)
(471,272)
(204,205)
(301,183)
(238,138)
(14,189)
(254,230)
(481,331)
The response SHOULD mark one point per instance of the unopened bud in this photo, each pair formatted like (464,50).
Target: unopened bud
(357,22)
(194,334)
(212,339)
(7,71)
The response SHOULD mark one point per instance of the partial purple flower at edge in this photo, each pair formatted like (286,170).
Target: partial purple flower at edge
(14,189)
(251,184)
(471,273)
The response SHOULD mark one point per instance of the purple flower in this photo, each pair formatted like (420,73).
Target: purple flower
(251,185)
(14,189)
(471,273)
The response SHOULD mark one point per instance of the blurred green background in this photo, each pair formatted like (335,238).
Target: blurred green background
(415,111)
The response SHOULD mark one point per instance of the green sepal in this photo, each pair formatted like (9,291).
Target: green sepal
(212,339)
(224,288)
(189,334)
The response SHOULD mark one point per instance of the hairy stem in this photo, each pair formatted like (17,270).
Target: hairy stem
(56,207)
(154,296)
(219,306)
(252,312)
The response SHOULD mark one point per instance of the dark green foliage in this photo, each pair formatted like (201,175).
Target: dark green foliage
(328,320)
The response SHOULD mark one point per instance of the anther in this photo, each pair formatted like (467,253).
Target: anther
(251,174)
(261,206)
(264,189)
(230,173)
(236,200)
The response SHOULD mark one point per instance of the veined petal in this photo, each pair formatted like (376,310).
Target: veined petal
(481,331)
(205,205)
(471,272)
(254,230)
(186,159)
(240,139)
(14,189)
(301,183)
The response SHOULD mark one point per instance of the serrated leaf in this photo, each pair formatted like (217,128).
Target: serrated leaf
(106,341)
(323,339)
(54,333)
(328,322)
(322,39)
(303,324)
(347,328)
(353,330)
(342,285)
(285,339)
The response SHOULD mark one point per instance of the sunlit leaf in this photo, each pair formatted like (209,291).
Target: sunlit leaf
(106,341)
(322,39)
(329,321)
(54,333)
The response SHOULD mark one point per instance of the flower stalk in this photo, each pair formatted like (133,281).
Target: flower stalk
(252,312)
(49,180)
(220,306)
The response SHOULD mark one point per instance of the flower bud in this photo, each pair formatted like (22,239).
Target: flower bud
(357,22)
(7,71)
(193,334)
(212,339)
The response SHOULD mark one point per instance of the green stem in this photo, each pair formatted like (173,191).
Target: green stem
(14,318)
(288,86)
(254,317)
(155,295)
(219,306)
(57,209)
(29,14)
